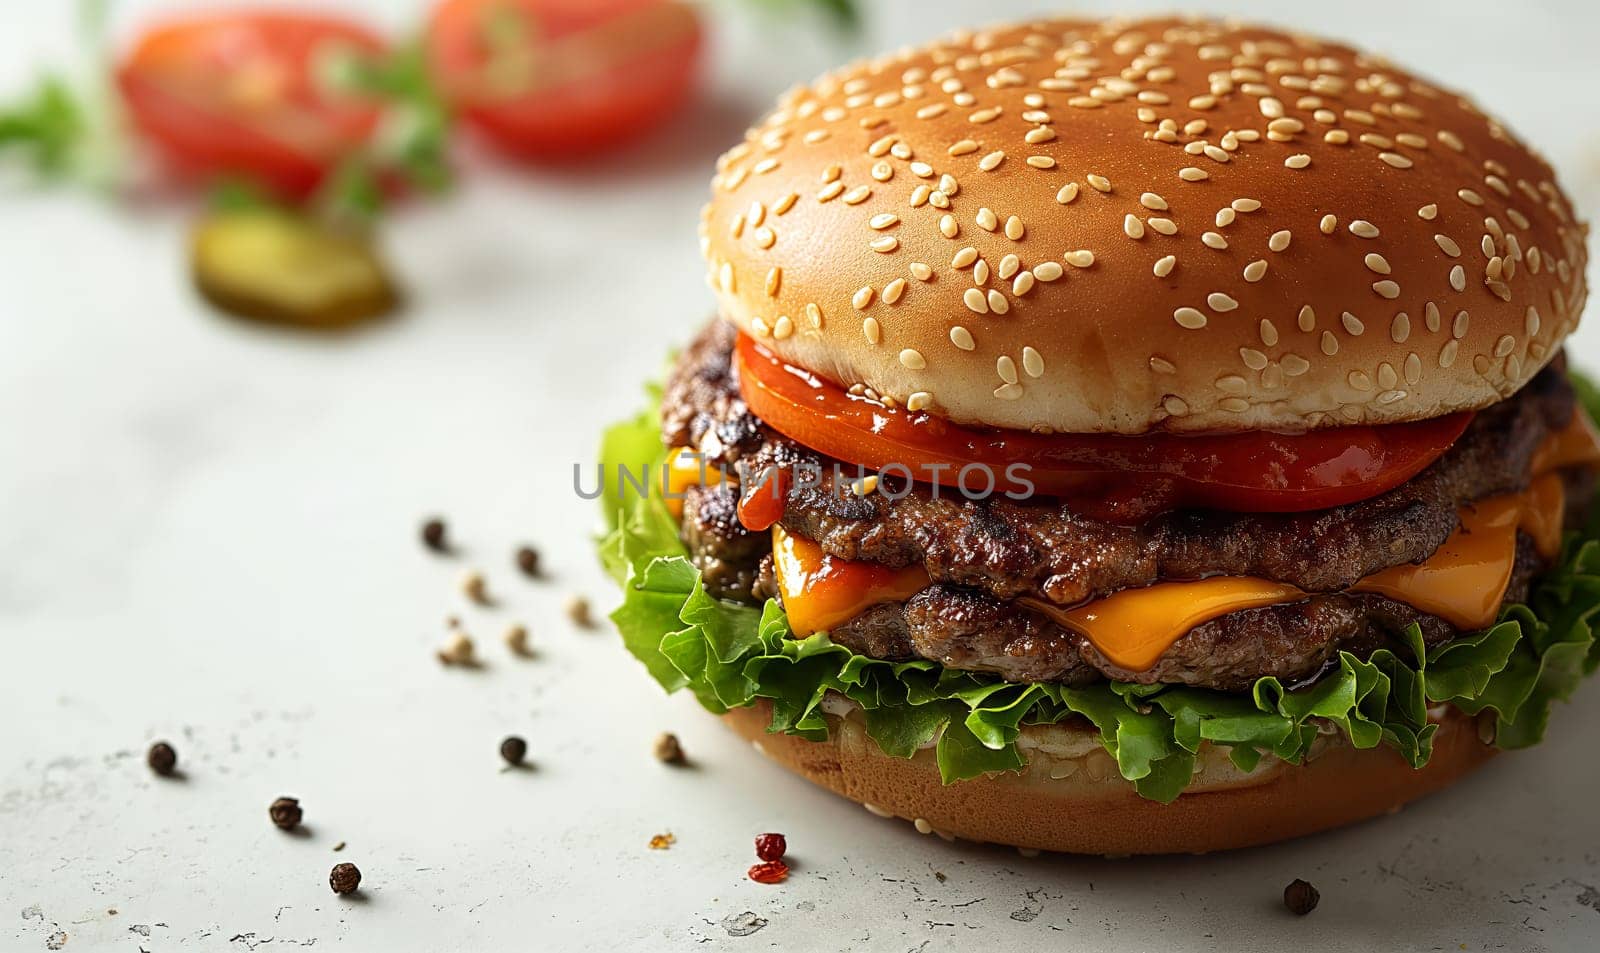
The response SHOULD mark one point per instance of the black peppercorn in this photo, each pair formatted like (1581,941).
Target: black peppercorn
(1300,897)
(162,759)
(513,749)
(433,536)
(285,813)
(344,878)
(528,561)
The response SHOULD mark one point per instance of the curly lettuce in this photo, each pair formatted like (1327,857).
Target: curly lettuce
(730,655)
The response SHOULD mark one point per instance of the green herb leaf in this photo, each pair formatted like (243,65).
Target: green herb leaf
(45,127)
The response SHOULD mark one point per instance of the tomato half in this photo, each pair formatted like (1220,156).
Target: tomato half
(241,93)
(564,78)
(1109,476)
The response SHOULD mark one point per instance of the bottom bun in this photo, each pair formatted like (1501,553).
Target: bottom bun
(1070,798)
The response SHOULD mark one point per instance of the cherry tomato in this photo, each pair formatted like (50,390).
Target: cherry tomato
(564,78)
(245,93)
(1108,475)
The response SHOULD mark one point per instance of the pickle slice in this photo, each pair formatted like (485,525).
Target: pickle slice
(275,267)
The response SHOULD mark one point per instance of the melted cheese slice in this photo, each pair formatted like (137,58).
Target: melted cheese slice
(1135,627)
(820,592)
(685,467)
(1464,582)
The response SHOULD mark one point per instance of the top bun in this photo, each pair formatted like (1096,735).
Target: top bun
(1135,225)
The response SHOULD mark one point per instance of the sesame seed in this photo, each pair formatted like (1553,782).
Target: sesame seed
(1458,278)
(1214,240)
(1279,240)
(922,170)
(1099,183)
(965,257)
(1217,301)
(1039,134)
(883,220)
(1225,216)
(975,300)
(992,161)
(783,327)
(1297,161)
(980,272)
(786,203)
(919,196)
(1387,288)
(1006,368)
(1009,265)
(1395,159)
(882,171)
(1255,271)
(1165,226)
(948,227)
(987,220)
(913,359)
(1152,201)
(1041,162)
(814,315)
(871,330)
(1081,258)
(964,147)
(962,338)
(1047,271)
(1132,226)
(1328,224)
(1329,344)
(857,195)
(1362,228)
(774,281)
(830,191)
(1192,174)
(893,290)
(765,237)
(1377,263)
(920,271)
(1023,284)
(885,245)
(1067,193)
(1470,197)
(1190,318)
(998,302)
(1014,229)
(862,298)
(1032,362)
(1164,265)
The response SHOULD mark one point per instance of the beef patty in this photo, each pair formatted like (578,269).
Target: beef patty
(984,554)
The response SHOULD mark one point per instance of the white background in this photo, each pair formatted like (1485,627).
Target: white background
(208,534)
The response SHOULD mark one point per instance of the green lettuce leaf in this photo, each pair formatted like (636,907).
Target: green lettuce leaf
(730,655)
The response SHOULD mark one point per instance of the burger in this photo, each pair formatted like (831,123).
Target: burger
(1122,436)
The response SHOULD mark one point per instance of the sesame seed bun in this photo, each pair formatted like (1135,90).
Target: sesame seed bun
(1125,226)
(1070,798)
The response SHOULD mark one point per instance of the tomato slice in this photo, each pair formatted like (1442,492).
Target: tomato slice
(564,78)
(242,94)
(1110,476)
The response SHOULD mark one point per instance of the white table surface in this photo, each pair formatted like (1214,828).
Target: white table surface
(208,534)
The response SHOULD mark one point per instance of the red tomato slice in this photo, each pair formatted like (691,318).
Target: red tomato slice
(563,78)
(240,94)
(1109,476)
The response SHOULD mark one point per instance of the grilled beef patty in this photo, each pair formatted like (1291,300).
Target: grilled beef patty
(984,554)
